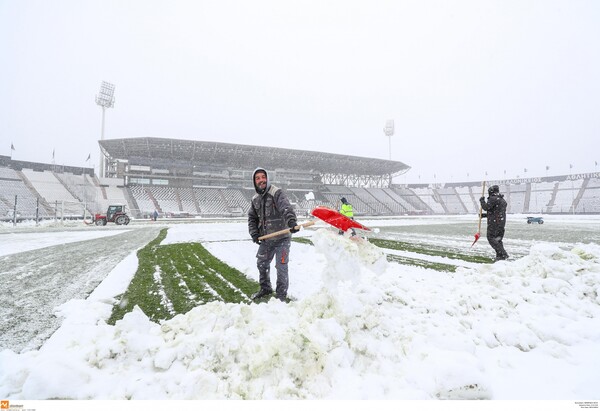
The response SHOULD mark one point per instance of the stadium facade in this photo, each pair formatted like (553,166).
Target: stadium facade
(208,179)
(207,163)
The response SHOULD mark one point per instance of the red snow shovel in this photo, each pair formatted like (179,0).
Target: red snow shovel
(337,219)
(478,233)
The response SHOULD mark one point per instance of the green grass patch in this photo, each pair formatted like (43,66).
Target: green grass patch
(429,250)
(302,240)
(420,249)
(172,279)
(421,263)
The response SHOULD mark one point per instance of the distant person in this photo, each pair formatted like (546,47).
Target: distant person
(155,215)
(496,220)
(269,212)
(347,210)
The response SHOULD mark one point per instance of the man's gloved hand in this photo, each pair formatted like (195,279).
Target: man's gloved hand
(292,225)
(484,215)
(255,239)
(482,199)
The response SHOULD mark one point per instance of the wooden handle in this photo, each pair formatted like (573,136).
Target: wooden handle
(287,230)
(480,206)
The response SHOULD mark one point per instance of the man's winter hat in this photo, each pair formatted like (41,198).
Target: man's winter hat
(343,200)
(258,190)
(494,189)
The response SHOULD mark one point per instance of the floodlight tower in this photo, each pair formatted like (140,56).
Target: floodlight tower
(389,131)
(105,99)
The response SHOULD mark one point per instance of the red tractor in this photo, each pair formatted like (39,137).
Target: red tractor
(115,214)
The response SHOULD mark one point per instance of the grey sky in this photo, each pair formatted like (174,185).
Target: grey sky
(473,86)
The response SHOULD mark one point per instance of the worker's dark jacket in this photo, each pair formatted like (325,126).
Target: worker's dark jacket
(270,211)
(496,210)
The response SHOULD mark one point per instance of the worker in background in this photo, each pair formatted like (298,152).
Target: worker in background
(347,211)
(496,220)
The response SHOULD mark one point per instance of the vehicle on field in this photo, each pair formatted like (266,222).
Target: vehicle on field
(538,220)
(115,214)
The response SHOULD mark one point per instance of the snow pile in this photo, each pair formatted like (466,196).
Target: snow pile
(372,330)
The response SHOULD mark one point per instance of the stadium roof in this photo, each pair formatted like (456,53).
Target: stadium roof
(246,156)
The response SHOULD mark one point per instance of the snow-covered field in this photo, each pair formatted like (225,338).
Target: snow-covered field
(359,328)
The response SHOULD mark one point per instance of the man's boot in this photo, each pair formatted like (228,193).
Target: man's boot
(261,293)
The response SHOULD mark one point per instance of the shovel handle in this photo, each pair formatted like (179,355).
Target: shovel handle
(480,207)
(285,231)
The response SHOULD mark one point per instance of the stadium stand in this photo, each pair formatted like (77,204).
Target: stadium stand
(469,196)
(189,204)
(564,196)
(541,196)
(450,197)
(431,198)
(393,204)
(590,198)
(516,198)
(415,205)
(53,191)
(13,188)
(181,178)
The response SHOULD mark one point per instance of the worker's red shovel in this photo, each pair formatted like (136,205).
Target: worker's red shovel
(337,219)
(478,233)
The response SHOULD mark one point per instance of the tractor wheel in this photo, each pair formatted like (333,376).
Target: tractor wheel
(127,220)
(528,221)
(101,222)
(120,220)
(541,222)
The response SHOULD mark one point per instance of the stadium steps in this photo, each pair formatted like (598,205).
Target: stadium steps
(414,200)
(405,206)
(6,203)
(475,195)
(196,203)
(376,201)
(151,196)
(508,194)
(100,186)
(553,198)
(96,181)
(178,199)
(72,190)
(390,203)
(131,203)
(527,198)
(223,197)
(579,194)
(49,209)
(66,186)
(437,197)
(460,201)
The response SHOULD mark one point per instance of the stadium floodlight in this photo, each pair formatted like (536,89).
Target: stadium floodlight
(388,130)
(105,99)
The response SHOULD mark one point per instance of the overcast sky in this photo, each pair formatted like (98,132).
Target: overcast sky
(473,86)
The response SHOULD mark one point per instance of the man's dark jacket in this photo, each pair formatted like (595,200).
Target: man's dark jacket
(496,210)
